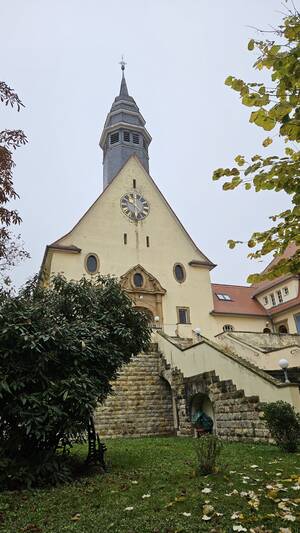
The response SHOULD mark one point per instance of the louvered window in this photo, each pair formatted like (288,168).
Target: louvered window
(114,138)
(135,138)
(126,136)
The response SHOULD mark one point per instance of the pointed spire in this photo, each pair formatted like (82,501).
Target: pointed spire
(123,88)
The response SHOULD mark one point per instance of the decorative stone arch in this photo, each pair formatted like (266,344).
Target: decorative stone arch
(148,294)
(147,312)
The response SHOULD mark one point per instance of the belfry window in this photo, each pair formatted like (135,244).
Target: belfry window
(126,136)
(114,138)
(135,138)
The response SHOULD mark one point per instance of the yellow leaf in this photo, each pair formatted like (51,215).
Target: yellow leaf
(267,142)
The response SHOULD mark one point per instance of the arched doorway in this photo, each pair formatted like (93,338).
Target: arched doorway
(146,312)
(266,330)
(202,402)
(282,329)
(145,291)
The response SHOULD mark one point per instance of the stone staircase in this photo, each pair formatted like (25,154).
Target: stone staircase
(150,399)
(237,417)
(141,404)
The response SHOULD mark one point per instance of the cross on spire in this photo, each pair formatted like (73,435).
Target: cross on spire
(122,63)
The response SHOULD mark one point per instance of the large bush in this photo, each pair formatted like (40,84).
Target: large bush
(283,424)
(59,349)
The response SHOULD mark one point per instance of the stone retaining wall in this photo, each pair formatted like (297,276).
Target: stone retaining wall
(141,404)
(150,398)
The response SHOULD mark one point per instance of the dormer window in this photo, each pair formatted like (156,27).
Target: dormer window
(114,138)
(266,301)
(224,297)
(135,138)
(126,136)
(279,294)
(273,299)
(286,291)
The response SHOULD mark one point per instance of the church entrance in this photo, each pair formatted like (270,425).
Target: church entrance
(146,312)
(146,292)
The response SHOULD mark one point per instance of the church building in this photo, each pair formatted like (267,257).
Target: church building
(209,339)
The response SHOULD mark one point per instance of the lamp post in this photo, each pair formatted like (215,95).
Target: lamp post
(283,363)
(197,332)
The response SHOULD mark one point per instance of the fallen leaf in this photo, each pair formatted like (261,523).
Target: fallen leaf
(76,517)
(128,508)
(187,514)
(208,509)
(207,490)
(289,517)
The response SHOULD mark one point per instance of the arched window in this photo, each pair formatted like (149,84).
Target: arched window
(179,272)
(92,263)
(138,279)
(228,327)
(266,330)
(282,329)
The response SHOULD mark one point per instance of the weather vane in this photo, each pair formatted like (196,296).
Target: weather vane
(122,63)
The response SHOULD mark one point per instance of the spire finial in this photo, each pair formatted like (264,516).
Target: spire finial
(122,63)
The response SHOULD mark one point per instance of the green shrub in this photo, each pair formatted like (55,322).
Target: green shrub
(283,424)
(59,349)
(208,448)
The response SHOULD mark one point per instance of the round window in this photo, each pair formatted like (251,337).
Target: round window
(138,279)
(91,264)
(179,273)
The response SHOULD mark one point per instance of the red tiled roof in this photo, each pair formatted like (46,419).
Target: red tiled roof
(241,302)
(268,283)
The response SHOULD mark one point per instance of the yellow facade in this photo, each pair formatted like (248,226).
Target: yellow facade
(157,243)
(101,231)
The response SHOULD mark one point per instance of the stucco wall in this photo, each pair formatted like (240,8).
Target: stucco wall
(265,361)
(256,324)
(291,284)
(288,316)
(206,358)
(101,231)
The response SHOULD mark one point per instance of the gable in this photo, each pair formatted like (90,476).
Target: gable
(105,224)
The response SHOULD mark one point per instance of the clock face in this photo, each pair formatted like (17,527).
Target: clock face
(134,206)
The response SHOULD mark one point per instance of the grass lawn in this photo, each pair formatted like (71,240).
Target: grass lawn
(151,486)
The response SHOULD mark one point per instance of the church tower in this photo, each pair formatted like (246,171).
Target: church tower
(124,134)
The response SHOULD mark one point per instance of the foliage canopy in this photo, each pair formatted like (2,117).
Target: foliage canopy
(11,248)
(284,425)
(276,107)
(59,349)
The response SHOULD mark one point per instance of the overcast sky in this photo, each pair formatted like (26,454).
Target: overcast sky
(62,58)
